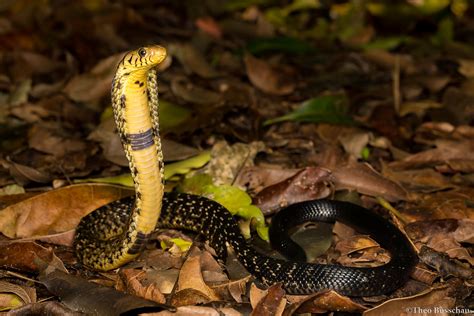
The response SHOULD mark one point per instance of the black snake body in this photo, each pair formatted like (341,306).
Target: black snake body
(204,216)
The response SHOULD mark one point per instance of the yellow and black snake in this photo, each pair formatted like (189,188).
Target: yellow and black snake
(117,232)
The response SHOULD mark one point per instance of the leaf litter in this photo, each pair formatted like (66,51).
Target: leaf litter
(281,102)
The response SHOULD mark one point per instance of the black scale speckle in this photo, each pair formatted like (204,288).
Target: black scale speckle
(199,214)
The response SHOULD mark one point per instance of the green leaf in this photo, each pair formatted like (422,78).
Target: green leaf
(196,184)
(180,167)
(445,33)
(182,244)
(12,189)
(172,115)
(387,43)
(278,16)
(122,179)
(236,201)
(331,109)
(279,44)
(184,166)
(365,154)
(233,5)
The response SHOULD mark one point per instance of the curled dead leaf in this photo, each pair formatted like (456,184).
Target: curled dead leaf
(190,277)
(136,283)
(272,304)
(307,184)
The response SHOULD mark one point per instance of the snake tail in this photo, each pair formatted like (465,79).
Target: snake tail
(100,244)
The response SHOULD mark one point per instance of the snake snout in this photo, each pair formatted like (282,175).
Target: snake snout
(157,54)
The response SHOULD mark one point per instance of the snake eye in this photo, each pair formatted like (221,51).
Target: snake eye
(142,52)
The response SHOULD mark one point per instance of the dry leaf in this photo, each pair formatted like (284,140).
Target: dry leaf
(209,25)
(194,94)
(425,302)
(47,140)
(191,58)
(24,255)
(328,301)
(137,283)
(364,179)
(306,184)
(268,78)
(190,277)
(272,304)
(57,211)
(92,86)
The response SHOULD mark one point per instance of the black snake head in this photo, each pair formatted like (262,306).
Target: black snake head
(143,58)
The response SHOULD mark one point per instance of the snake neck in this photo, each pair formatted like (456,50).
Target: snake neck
(135,106)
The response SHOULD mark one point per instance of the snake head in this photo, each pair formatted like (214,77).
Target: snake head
(143,58)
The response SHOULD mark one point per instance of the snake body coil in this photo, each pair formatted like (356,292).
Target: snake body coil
(117,232)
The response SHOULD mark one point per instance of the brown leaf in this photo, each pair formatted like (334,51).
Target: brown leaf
(209,25)
(328,301)
(78,294)
(388,60)
(447,244)
(434,83)
(47,140)
(193,93)
(192,59)
(364,179)
(441,235)
(27,63)
(112,147)
(441,205)
(465,231)
(267,78)
(45,308)
(354,244)
(20,255)
(446,267)
(307,184)
(424,275)
(458,106)
(26,294)
(257,178)
(58,210)
(236,288)
(190,277)
(256,295)
(164,280)
(92,86)
(421,180)
(272,304)
(354,142)
(189,297)
(199,310)
(136,283)
(425,302)
(25,174)
(445,151)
